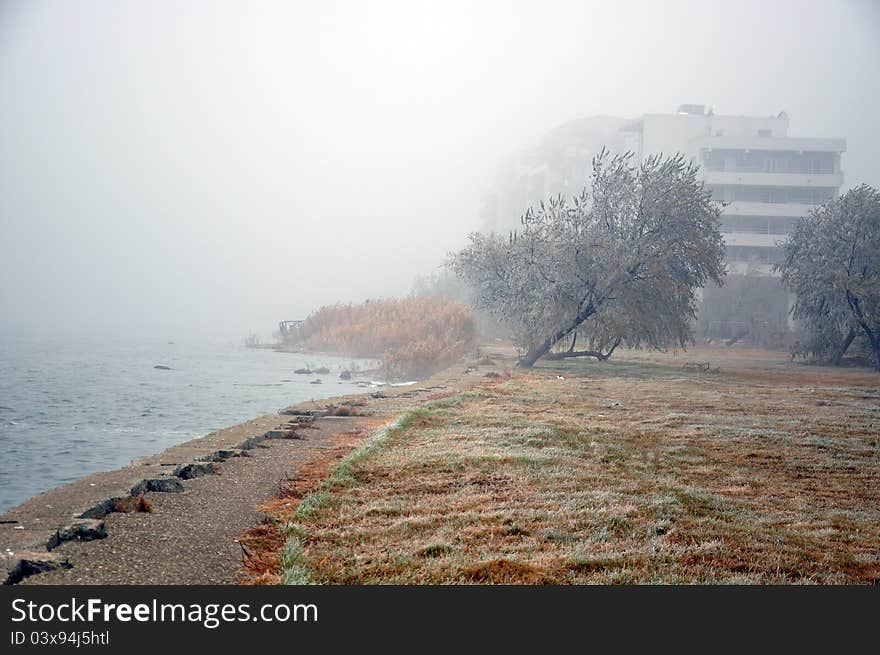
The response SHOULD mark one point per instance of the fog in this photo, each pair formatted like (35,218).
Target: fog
(213,168)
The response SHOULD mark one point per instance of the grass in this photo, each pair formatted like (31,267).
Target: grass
(294,569)
(637,471)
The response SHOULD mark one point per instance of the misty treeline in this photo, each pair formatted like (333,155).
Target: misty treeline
(832,266)
(619,264)
(411,337)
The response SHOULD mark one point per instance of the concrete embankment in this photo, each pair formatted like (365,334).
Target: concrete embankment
(31,533)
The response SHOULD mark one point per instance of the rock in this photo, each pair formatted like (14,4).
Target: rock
(80,530)
(161,485)
(345,375)
(162,367)
(227,453)
(28,563)
(194,470)
(303,371)
(315,382)
(321,371)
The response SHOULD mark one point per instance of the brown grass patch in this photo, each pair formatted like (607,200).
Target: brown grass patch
(440,395)
(345,410)
(504,571)
(260,548)
(434,550)
(133,504)
(261,545)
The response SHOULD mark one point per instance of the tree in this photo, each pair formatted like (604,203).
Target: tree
(621,263)
(831,264)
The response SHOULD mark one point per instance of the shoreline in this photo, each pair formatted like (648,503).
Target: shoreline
(75,511)
(72,408)
(43,534)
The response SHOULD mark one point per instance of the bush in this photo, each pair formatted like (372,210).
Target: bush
(413,337)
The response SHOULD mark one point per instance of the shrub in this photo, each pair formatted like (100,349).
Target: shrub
(412,337)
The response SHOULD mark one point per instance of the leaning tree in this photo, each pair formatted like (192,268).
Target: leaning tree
(620,263)
(831,264)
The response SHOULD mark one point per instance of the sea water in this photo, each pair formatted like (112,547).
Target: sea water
(73,406)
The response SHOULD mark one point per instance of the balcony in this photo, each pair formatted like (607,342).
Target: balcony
(778,144)
(774,168)
(753,239)
(772,209)
(757,225)
(762,179)
(750,268)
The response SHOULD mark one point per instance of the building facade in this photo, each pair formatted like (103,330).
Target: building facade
(766,178)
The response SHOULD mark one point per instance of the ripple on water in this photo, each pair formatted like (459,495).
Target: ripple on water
(83,407)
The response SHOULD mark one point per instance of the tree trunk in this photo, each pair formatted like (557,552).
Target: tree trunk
(874,340)
(873,337)
(598,354)
(845,345)
(537,352)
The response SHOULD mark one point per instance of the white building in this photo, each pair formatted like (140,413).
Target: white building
(768,178)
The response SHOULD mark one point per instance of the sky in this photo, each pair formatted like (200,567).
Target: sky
(172,168)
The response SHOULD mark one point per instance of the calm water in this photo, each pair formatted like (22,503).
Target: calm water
(72,407)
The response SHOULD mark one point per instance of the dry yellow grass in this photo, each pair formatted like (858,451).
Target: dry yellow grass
(413,337)
(629,471)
